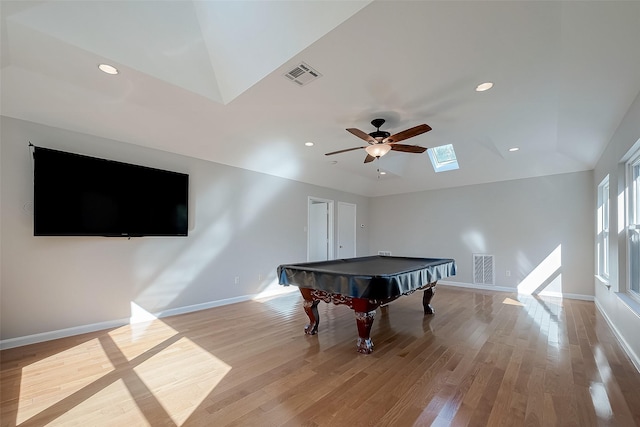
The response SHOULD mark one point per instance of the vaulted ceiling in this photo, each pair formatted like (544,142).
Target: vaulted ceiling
(207,79)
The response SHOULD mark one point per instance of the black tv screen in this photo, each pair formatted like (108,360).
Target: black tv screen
(76,195)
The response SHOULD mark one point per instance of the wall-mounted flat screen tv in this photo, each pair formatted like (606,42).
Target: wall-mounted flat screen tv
(76,195)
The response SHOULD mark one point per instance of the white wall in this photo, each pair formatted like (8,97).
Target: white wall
(241,224)
(244,224)
(539,229)
(622,314)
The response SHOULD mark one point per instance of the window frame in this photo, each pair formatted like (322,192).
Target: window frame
(632,226)
(602,232)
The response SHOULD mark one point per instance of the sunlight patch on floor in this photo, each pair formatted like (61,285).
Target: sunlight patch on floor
(126,338)
(45,375)
(110,406)
(177,393)
(128,381)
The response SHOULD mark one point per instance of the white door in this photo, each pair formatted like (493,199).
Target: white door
(320,230)
(346,230)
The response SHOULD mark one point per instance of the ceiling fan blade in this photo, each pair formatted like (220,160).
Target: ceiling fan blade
(408,148)
(362,135)
(344,151)
(409,133)
(369,158)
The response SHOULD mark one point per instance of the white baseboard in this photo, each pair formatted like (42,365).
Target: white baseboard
(515,290)
(203,306)
(481,287)
(567,295)
(635,359)
(60,333)
(83,329)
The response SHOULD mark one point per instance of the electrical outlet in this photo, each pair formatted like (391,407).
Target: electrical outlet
(237,280)
(507,273)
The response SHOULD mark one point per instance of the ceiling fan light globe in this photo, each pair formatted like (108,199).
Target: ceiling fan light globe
(378,150)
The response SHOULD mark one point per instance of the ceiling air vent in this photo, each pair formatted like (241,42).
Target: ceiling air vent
(303,74)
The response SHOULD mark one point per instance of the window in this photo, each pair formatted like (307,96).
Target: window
(443,158)
(633,227)
(602,243)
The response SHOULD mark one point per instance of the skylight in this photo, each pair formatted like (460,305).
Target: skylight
(443,158)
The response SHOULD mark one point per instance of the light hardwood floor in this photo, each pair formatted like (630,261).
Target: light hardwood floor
(484,359)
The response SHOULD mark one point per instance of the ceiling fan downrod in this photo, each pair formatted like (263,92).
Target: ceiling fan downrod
(378,135)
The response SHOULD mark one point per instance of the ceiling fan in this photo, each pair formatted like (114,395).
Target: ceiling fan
(381,142)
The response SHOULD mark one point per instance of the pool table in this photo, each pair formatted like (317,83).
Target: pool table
(364,284)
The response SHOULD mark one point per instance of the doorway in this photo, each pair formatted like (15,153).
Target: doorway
(346,230)
(319,229)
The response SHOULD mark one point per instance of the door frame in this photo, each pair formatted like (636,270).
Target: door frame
(330,226)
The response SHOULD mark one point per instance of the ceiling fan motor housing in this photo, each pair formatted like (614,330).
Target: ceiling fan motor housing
(378,135)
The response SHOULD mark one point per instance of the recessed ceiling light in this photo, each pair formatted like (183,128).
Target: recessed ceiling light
(484,86)
(309,144)
(109,69)
(513,149)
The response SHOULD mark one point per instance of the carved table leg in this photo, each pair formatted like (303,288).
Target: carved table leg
(426,299)
(364,321)
(311,308)
(365,310)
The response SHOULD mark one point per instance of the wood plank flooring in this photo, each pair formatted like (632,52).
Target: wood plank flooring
(484,359)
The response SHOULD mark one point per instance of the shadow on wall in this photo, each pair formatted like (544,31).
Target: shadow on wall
(230,252)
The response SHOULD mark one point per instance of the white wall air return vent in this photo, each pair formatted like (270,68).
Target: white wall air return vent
(303,74)
(483,271)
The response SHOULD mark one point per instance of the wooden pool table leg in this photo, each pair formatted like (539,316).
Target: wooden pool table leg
(365,313)
(364,320)
(426,299)
(311,308)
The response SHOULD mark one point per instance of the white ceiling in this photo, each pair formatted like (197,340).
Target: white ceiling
(206,79)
